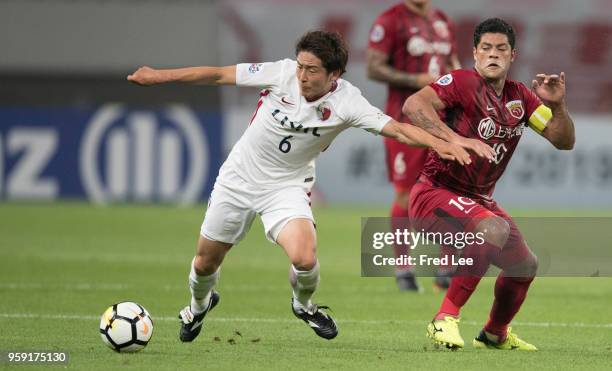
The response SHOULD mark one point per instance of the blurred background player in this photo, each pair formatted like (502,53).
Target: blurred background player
(484,104)
(303,106)
(411,45)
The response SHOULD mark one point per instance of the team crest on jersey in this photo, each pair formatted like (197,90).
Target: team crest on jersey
(486,128)
(377,34)
(445,80)
(441,29)
(255,67)
(516,109)
(324,111)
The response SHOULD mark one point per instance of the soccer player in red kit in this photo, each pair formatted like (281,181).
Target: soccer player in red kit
(482,103)
(411,45)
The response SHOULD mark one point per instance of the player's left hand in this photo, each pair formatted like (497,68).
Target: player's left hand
(146,76)
(453,152)
(550,88)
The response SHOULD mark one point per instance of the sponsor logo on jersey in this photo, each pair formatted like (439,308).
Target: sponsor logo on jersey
(418,46)
(324,111)
(516,109)
(377,33)
(486,128)
(445,80)
(255,67)
(441,29)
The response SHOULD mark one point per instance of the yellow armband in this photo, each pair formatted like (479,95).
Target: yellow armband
(540,118)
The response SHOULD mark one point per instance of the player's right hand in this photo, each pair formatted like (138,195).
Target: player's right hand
(453,152)
(145,76)
(476,146)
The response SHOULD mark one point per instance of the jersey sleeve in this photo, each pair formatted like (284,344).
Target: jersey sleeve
(447,89)
(539,115)
(365,116)
(261,75)
(382,34)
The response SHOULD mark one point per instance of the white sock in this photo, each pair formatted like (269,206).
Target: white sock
(201,287)
(304,284)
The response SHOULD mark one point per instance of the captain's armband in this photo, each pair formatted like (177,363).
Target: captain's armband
(540,118)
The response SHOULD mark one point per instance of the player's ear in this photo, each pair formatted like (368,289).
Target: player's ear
(474,51)
(335,75)
(513,54)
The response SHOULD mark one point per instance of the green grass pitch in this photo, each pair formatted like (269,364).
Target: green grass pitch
(62,264)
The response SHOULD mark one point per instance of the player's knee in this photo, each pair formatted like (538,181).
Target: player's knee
(530,265)
(495,230)
(525,270)
(305,256)
(305,261)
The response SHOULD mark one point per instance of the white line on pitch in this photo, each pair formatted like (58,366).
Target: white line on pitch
(283,320)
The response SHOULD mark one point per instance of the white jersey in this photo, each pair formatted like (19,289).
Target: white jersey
(287,132)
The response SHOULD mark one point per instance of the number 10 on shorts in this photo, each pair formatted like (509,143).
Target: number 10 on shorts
(464,204)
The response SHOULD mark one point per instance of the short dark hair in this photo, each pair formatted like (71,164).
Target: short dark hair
(494,25)
(328,46)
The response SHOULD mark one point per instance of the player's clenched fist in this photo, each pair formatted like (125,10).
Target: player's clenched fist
(146,76)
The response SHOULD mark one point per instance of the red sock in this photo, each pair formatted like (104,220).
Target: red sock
(466,279)
(509,295)
(399,220)
(460,290)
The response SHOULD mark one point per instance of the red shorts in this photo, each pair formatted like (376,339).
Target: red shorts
(438,209)
(404,163)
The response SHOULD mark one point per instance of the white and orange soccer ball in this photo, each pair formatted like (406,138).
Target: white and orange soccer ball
(126,327)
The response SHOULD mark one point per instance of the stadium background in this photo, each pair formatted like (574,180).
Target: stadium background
(72,129)
(64,62)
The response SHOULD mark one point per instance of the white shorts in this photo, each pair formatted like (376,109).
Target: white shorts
(234,203)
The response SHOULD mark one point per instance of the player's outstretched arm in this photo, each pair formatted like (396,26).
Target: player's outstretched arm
(380,70)
(560,129)
(422,108)
(413,136)
(205,75)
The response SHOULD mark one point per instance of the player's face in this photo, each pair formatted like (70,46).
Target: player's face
(493,56)
(315,81)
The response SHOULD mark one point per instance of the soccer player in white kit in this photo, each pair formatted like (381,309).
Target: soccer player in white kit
(303,106)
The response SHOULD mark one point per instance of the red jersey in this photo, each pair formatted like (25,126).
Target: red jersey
(415,44)
(474,110)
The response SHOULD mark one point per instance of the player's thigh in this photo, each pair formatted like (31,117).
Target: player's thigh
(436,209)
(229,215)
(404,164)
(279,207)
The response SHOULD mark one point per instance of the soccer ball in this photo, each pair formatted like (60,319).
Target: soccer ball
(126,327)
